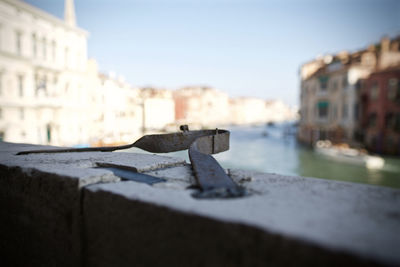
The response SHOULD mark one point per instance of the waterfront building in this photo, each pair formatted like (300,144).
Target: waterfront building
(277,111)
(158,109)
(247,110)
(329,103)
(380,111)
(256,111)
(328,98)
(208,107)
(119,111)
(43,76)
(50,93)
(201,106)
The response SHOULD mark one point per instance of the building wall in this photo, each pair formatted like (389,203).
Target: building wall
(119,111)
(42,74)
(316,123)
(380,124)
(158,107)
(201,106)
(343,73)
(246,110)
(159,113)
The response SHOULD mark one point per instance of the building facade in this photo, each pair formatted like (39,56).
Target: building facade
(329,91)
(50,92)
(201,106)
(158,109)
(119,111)
(379,126)
(43,68)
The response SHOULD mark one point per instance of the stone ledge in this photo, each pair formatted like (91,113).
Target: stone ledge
(81,166)
(122,231)
(337,216)
(60,207)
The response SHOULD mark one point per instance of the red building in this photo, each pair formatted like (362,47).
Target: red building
(380,111)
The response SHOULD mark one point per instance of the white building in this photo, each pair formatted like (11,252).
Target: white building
(253,111)
(201,106)
(159,109)
(247,110)
(43,76)
(119,111)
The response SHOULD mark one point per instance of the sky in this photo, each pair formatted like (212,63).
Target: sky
(242,47)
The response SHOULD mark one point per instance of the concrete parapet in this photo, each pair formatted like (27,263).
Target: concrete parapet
(58,209)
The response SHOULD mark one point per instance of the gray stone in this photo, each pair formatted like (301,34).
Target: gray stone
(180,177)
(57,209)
(40,200)
(342,217)
(82,165)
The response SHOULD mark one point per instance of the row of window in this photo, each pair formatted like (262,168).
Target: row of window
(43,43)
(334,84)
(391,121)
(41,84)
(323,110)
(41,48)
(393,90)
(324,85)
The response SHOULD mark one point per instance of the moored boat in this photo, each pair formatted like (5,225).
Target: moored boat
(346,154)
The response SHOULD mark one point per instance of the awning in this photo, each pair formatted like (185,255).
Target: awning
(323,104)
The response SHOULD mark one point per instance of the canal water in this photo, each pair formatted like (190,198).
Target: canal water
(268,149)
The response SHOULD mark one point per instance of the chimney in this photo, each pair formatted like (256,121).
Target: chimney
(385,44)
(69,13)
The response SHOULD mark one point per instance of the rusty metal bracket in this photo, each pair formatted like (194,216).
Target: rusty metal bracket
(210,176)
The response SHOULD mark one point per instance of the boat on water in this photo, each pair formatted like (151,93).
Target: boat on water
(344,153)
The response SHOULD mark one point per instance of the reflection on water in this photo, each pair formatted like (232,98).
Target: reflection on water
(266,149)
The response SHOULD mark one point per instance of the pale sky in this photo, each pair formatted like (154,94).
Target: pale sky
(244,48)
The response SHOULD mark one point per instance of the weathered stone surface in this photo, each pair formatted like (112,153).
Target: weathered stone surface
(125,232)
(336,216)
(180,177)
(40,201)
(40,218)
(82,165)
(59,210)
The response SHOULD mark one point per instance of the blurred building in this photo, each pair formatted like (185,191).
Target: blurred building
(201,106)
(43,70)
(158,109)
(277,111)
(329,102)
(50,93)
(254,111)
(247,110)
(380,111)
(119,111)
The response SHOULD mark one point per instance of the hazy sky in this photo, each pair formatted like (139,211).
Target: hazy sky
(245,48)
